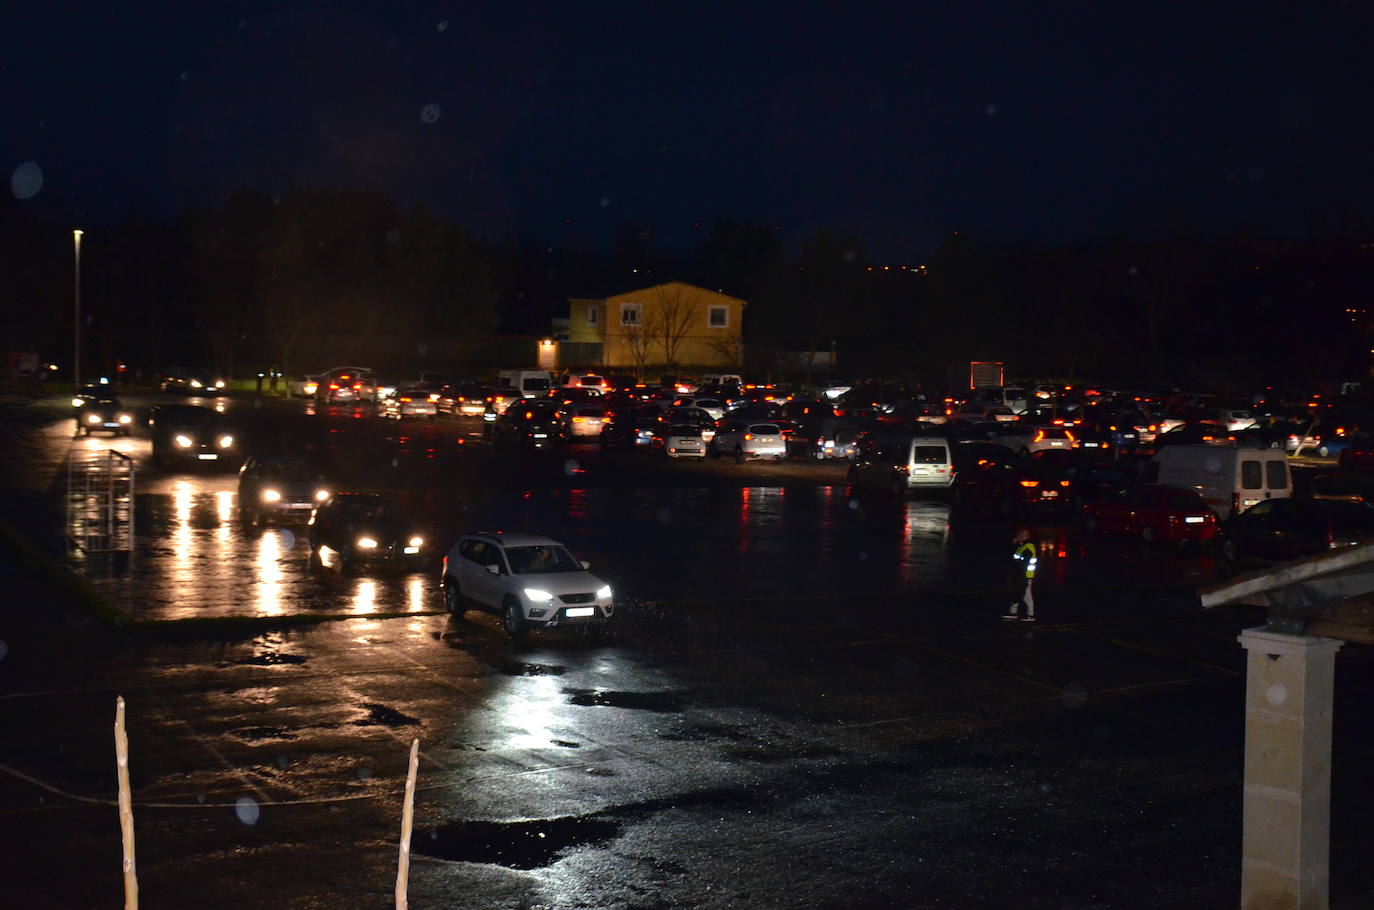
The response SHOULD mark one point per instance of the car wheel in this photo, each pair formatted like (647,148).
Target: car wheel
(511,619)
(453,598)
(712,451)
(1323,452)
(1147,535)
(739,455)
(898,487)
(1230,550)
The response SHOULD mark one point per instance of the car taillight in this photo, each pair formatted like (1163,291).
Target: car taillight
(1070,435)
(333,385)
(1039,436)
(1063,483)
(1030,483)
(748,436)
(403,398)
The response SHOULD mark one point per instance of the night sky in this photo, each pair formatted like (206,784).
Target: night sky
(556,123)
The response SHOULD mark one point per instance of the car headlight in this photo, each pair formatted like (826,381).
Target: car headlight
(78,402)
(219,383)
(226,441)
(603,592)
(93,418)
(538,594)
(367,543)
(183,440)
(196,384)
(271,495)
(310,388)
(321,495)
(417,541)
(125,418)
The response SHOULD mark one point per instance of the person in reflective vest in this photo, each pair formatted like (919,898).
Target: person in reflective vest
(1023,576)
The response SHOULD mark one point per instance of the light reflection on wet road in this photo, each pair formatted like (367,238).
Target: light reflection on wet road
(196,559)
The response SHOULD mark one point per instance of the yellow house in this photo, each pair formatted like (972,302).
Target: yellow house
(673,324)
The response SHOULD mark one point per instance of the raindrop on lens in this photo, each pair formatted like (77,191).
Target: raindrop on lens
(4,649)
(570,467)
(853,505)
(364,774)
(247,810)
(26,180)
(664,514)
(430,112)
(605,202)
(991,110)
(443,25)
(288,540)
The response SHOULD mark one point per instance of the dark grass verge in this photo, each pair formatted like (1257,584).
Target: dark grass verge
(43,590)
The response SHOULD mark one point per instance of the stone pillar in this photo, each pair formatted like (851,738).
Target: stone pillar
(1287,812)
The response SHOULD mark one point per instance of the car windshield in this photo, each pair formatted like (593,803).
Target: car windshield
(286,472)
(764,429)
(541,560)
(930,454)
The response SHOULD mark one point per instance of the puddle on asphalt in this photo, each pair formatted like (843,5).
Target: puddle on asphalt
(701,733)
(269,658)
(660,702)
(258,734)
(566,744)
(515,845)
(381,715)
(508,667)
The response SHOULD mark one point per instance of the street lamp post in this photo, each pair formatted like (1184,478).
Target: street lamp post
(76,317)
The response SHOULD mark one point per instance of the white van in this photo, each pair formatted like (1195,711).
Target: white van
(902,463)
(1230,478)
(529,383)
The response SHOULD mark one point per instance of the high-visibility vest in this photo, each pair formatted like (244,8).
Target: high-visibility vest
(1026,552)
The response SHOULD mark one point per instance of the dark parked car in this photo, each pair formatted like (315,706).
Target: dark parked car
(1153,514)
(1293,528)
(822,438)
(538,424)
(1009,486)
(628,431)
(187,434)
(360,528)
(281,487)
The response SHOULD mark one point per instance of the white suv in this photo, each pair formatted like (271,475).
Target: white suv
(749,440)
(528,580)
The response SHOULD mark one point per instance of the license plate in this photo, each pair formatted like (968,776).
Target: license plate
(1049,494)
(412,550)
(208,456)
(1193,519)
(575,612)
(541,435)
(111,426)
(921,471)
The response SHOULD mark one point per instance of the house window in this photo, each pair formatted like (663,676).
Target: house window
(629,314)
(718,317)
(592,310)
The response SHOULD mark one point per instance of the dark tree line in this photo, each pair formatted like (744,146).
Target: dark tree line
(263,280)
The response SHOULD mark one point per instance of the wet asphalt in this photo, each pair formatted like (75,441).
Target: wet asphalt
(806,699)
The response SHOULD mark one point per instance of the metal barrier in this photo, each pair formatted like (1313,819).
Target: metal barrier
(100,501)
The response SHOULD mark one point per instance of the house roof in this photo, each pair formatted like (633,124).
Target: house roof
(635,292)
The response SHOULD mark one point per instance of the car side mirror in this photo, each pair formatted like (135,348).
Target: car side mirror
(586,565)
(494,569)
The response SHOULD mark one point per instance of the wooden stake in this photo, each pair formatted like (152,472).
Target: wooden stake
(126,807)
(407,821)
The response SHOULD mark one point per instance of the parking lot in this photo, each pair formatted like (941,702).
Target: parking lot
(807,698)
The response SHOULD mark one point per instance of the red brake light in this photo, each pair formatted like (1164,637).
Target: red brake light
(1030,483)
(748,436)
(1039,436)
